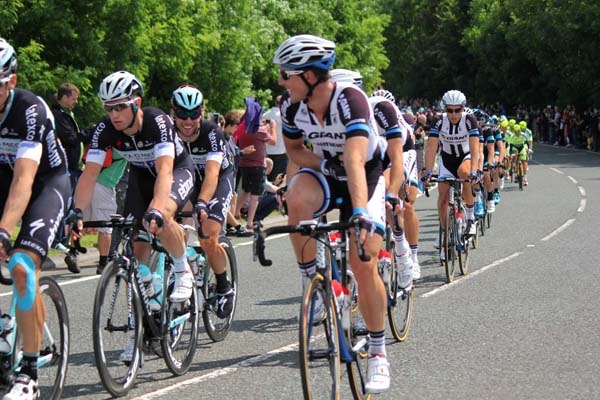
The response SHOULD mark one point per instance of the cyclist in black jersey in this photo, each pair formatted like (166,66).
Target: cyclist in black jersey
(161,175)
(345,162)
(35,191)
(211,196)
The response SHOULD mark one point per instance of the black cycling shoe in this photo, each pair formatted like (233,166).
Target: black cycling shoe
(71,261)
(224,306)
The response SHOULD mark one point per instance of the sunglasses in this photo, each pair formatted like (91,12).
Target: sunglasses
(117,107)
(181,113)
(285,74)
(454,110)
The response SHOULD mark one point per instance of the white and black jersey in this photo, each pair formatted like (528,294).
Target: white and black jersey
(210,145)
(157,138)
(454,139)
(27,131)
(349,115)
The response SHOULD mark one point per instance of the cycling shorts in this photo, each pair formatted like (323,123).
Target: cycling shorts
(221,200)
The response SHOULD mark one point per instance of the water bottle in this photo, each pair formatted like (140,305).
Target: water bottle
(384,263)
(7,325)
(146,279)
(342,297)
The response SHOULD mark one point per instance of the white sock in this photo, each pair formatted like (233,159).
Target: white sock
(181,263)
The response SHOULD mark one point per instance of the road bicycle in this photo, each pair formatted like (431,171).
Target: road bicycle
(122,313)
(53,360)
(326,334)
(453,239)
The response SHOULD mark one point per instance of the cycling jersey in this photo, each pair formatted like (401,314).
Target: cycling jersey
(157,138)
(349,115)
(210,145)
(27,131)
(453,141)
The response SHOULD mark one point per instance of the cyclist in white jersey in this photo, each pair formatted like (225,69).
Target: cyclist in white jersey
(455,137)
(345,162)
(394,134)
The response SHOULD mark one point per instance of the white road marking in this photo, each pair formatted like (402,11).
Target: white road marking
(558,230)
(581,191)
(557,171)
(582,204)
(220,372)
(470,276)
(572,179)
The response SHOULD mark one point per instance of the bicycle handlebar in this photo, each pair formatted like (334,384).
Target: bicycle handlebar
(304,228)
(192,214)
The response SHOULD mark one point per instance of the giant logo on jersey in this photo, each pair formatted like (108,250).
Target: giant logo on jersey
(343,102)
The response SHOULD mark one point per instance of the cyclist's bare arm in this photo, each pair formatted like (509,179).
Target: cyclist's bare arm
(355,154)
(19,193)
(474,150)
(162,185)
(430,151)
(300,155)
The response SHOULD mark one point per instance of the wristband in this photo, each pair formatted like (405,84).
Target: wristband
(360,210)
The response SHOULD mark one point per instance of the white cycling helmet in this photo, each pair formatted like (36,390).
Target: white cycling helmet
(385,94)
(8,61)
(187,97)
(120,85)
(302,51)
(346,75)
(454,98)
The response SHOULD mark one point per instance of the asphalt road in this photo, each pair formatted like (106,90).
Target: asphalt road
(523,325)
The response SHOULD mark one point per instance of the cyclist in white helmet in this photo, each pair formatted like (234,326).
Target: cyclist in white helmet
(345,162)
(34,192)
(455,137)
(161,175)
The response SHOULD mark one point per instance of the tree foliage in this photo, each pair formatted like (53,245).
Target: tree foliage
(530,51)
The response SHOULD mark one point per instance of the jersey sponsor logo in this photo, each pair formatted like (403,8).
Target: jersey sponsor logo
(99,128)
(212,137)
(343,102)
(53,154)
(162,127)
(34,246)
(381,119)
(185,187)
(326,135)
(10,146)
(31,121)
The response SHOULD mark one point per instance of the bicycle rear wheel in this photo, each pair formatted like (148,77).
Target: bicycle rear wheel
(463,253)
(319,348)
(54,350)
(180,324)
(450,245)
(117,315)
(399,306)
(218,328)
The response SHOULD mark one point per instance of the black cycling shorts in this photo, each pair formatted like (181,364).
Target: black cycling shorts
(221,200)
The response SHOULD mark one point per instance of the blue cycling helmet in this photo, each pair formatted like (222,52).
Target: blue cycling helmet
(303,51)
(187,97)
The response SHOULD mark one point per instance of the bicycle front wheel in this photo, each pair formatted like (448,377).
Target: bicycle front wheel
(218,328)
(54,350)
(319,343)
(463,253)
(356,362)
(180,324)
(399,308)
(117,321)
(450,245)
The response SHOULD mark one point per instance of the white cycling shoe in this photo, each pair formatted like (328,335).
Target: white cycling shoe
(378,374)
(24,388)
(184,284)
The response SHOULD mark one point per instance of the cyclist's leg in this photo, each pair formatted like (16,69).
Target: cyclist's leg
(467,194)
(411,224)
(307,196)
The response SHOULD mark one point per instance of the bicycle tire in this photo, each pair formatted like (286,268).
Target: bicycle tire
(117,376)
(450,245)
(180,324)
(399,306)
(520,175)
(218,328)
(319,346)
(488,217)
(463,255)
(54,351)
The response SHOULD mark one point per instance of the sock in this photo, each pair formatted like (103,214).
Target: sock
(307,270)
(223,284)
(414,250)
(29,365)
(401,243)
(470,211)
(103,260)
(377,343)
(180,263)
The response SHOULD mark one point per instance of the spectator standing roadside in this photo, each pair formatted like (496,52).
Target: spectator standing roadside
(253,131)
(276,152)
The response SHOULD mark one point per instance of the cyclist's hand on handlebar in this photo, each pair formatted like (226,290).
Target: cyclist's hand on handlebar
(5,245)
(393,203)
(75,222)
(363,221)
(426,176)
(153,221)
(473,177)
(201,209)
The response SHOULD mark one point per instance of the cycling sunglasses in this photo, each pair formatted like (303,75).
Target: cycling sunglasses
(454,110)
(285,74)
(117,107)
(181,113)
